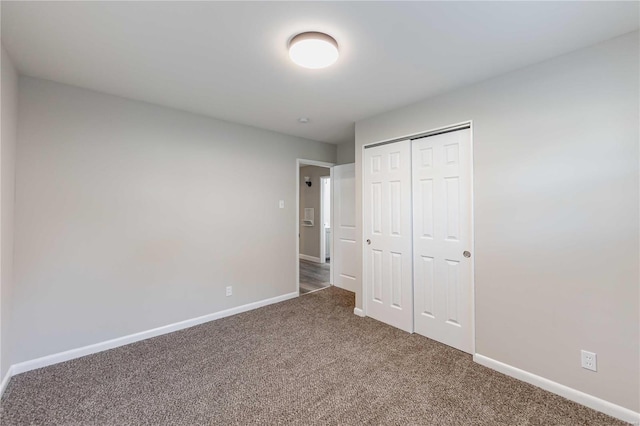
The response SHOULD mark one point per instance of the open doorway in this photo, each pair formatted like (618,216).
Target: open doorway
(314,226)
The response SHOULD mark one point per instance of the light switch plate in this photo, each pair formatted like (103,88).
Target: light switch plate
(281,204)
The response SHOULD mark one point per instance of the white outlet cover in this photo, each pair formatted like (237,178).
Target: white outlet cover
(229,291)
(589,360)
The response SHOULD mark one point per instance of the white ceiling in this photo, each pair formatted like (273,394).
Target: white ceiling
(229,60)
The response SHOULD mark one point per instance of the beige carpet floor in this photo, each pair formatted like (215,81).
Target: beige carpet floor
(305,361)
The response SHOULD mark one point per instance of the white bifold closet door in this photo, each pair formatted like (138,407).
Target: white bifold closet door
(387,234)
(442,227)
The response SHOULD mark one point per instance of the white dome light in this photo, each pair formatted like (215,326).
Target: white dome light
(313,50)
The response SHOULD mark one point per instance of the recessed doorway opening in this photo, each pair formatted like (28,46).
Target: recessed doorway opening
(314,248)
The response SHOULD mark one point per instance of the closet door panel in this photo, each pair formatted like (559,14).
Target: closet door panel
(388,234)
(441,180)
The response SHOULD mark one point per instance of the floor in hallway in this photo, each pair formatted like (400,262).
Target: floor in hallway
(313,276)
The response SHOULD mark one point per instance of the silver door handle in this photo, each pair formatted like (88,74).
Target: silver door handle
(369,242)
(466,254)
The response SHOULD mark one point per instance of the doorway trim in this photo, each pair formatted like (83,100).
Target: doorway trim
(416,135)
(323,235)
(305,162)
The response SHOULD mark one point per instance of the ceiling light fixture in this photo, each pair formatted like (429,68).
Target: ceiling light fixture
(303,120)
(313,50)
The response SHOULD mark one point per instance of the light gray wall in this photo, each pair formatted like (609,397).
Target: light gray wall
(310,198)
(556,212)
(131,216)
(347,153)
(9,109)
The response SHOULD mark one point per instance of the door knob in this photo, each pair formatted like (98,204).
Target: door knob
(466,254)
(369,242)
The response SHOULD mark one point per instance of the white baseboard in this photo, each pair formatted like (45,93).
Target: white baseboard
(310,258)
(44,361)
(5,380)
(359,312)
(574,395)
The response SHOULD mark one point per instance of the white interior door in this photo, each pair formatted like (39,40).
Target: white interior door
(387,234)
(344,257)
(442,224)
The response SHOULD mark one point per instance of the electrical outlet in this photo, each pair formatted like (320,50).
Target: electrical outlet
(589,360)
(229,291)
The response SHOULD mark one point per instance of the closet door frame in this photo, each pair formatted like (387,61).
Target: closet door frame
(430,132)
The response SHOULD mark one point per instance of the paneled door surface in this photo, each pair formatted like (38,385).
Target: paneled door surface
(345,253)
(387,234)
(442,226)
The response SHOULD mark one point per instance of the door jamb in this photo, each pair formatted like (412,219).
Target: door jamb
(323,240)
